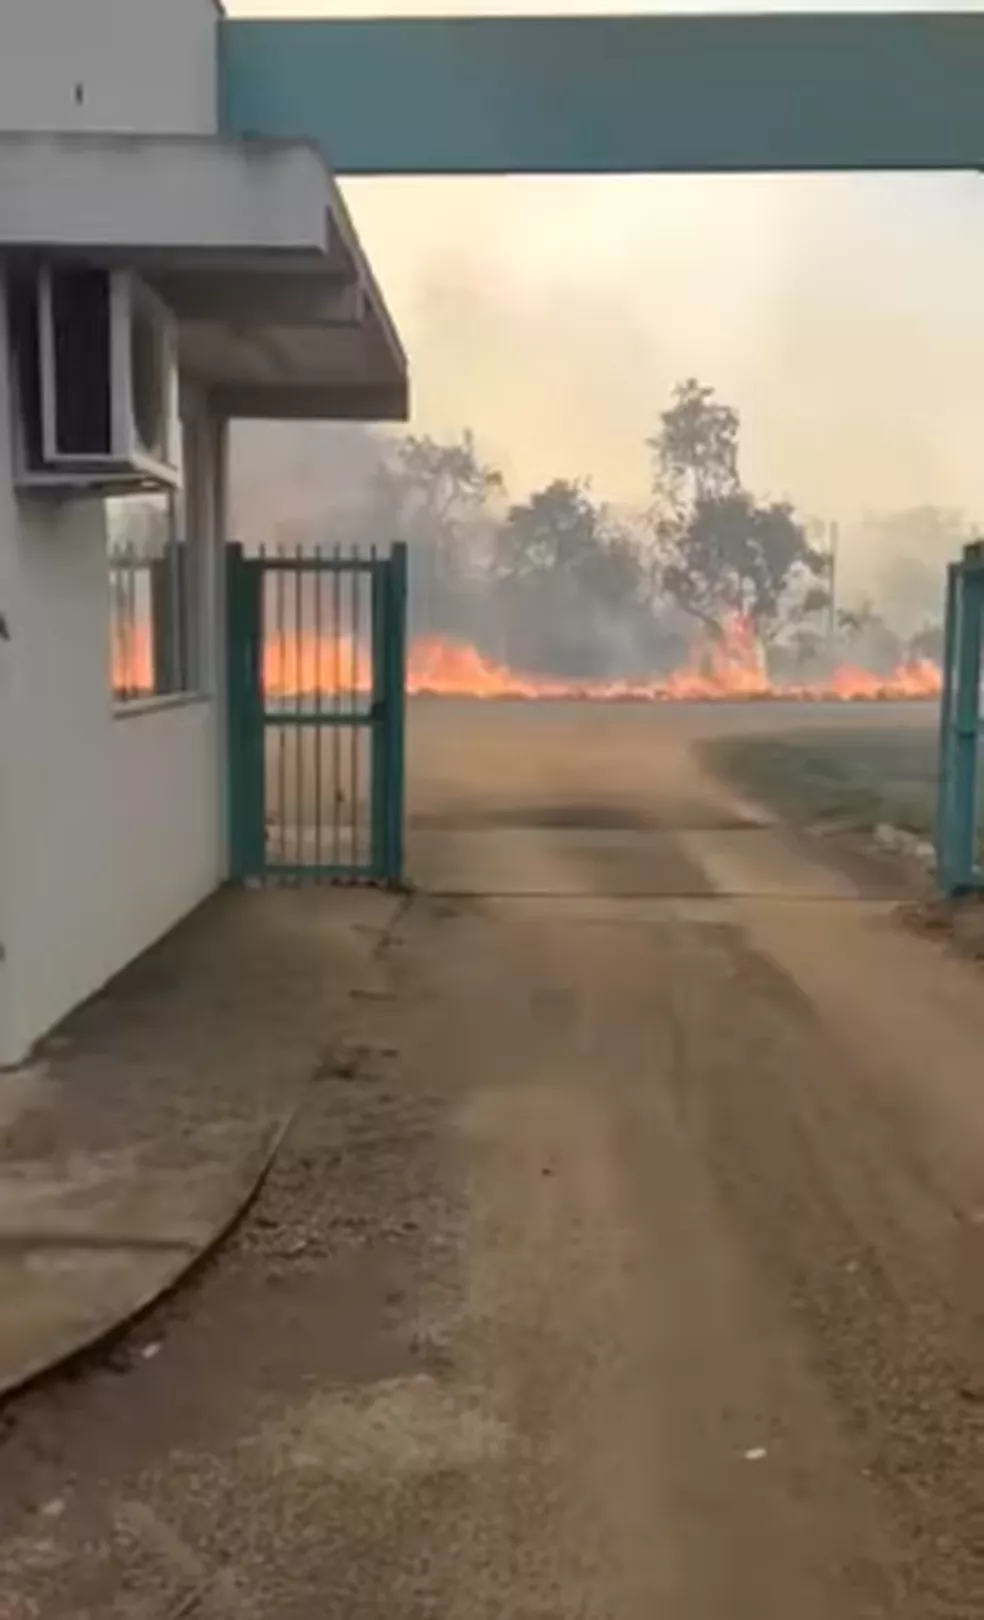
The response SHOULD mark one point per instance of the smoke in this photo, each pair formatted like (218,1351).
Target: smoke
(300,483)
(841,315)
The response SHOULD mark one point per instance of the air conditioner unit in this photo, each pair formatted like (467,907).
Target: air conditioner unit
(95,371)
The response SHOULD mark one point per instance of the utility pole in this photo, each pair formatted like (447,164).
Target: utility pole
(833,541)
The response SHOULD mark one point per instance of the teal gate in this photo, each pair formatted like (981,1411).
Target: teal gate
(958,840)
(316,683)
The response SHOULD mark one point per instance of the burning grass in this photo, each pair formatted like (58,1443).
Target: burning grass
(729,672)
(729,669)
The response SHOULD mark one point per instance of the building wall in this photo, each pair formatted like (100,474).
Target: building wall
(162,193)
(10,684)
(111,825)
(138,66)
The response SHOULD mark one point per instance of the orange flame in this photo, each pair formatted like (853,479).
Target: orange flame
(727,670)
(730,669)
(133,661)
(302,666)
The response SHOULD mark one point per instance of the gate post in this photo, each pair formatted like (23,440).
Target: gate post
(396,691)
(380,729)
(389,610)
(244,632)
(958,867)
(944,800)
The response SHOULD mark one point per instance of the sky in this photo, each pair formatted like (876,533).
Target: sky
(842,315)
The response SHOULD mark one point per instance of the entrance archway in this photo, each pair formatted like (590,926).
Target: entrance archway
(781,93)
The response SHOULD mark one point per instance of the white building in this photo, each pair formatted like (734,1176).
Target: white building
(130,230)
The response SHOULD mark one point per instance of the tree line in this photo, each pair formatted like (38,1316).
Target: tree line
(564,583)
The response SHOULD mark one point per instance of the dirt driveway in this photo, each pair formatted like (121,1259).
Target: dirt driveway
(629,1265)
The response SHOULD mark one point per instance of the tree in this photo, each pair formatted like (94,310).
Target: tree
(440,488)
(696,448)
(720,552)
(569,584)
(437,497)
(560,530)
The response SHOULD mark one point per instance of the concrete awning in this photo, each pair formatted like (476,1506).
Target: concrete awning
(249,243)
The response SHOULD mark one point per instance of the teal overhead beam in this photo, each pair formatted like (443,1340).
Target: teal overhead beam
(563,95)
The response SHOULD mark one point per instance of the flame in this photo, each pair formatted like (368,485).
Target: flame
(303,666)
(132,661)
(731,668)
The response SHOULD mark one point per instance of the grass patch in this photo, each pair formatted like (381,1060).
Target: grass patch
(843,778)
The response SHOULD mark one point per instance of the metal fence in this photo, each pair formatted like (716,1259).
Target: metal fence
(958,832)
(317,648)
(151,647)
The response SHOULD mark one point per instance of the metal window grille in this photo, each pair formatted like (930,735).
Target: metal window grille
(152,642)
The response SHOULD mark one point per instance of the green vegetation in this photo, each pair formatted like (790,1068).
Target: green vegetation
(849,776)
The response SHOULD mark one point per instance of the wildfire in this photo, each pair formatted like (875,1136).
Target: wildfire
(132,661)
(730,669)
(306,665)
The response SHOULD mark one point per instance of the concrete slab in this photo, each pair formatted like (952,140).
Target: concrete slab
(144,1126)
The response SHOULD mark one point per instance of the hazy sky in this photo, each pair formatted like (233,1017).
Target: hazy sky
(843,315)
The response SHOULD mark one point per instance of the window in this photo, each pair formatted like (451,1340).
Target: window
(153,644)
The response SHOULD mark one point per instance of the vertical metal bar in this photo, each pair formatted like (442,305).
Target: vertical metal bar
(131,618)
(139,575)
(245,714)
(161,606)
(281,711)
(265,660)
(396,711)
(300,735)
(966,731)
(175,553)
(378,765)
(176,656)
(318,705)
(117,649)
(354,728)
(944,859)
(336,730)
(253,581)
(126,633)
(120,607)
(235,704)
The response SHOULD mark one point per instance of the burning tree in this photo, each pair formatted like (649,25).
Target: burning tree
(722,555)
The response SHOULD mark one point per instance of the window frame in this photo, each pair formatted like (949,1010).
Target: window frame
(139,619)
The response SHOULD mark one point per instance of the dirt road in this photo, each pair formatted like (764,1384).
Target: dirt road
(628,1265)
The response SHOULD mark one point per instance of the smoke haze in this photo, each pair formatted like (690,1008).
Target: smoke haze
(840,314)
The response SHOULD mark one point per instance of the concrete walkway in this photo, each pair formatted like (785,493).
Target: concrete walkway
(624,1265)
(142,1128)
